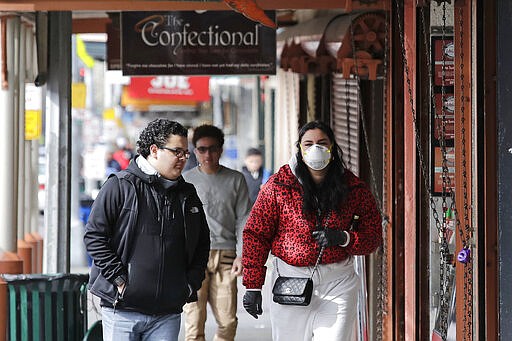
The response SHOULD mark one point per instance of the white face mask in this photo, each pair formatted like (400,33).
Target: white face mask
(317,157)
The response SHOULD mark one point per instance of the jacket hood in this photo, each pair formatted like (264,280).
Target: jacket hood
(133,168)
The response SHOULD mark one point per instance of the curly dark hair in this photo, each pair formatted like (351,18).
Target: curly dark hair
(333,190)
(208,130)
(158,132)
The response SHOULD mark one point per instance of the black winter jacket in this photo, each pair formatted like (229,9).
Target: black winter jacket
(112,231)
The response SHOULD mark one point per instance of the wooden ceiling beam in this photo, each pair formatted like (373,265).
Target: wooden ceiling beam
(140,5)
(90,25)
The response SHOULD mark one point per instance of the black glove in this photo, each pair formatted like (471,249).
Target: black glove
(252,303)
(330,237)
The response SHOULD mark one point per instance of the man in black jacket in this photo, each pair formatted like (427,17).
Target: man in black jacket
(149,240)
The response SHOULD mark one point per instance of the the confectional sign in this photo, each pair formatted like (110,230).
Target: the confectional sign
(194,43)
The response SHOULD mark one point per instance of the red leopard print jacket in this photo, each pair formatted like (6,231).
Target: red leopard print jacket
(276,223)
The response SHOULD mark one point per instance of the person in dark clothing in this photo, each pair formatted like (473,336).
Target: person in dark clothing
(192,160)
(149,240)
(254,172)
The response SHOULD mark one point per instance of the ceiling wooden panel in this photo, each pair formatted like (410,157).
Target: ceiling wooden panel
(139,5)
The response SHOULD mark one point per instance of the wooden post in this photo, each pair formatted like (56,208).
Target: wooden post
(410,185)
(10,263)
(35,239)
(25,252)
(466,285)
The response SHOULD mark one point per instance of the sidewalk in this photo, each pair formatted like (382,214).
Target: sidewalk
(249,329)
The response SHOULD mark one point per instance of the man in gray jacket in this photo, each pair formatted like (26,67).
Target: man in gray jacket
(224,194)
(148,237)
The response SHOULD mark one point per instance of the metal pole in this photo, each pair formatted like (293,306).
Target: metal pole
(58,143)
(25,250)
(9,261)
(7,172)
(78,254)
(34,166)
(35,102)
(21,132)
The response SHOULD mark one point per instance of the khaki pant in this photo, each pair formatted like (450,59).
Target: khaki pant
(220,290)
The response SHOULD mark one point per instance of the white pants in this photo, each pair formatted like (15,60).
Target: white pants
(332,313)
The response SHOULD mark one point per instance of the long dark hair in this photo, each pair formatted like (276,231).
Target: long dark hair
(333,190)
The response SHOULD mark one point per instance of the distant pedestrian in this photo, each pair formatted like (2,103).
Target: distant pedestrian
(149,240)
(254,172)
(192,160)
(223,192)
(124,153)
(312,204)
(111,165)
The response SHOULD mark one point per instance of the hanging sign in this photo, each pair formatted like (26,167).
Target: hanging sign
(33,112)
(447,116)
(192,43)
(443,119)
(438,169)
(33,124)
(196,88)
(78,95)
(444,54)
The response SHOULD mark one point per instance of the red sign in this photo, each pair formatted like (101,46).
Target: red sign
(448,116)
(444,60)
(170,88)
(449,159)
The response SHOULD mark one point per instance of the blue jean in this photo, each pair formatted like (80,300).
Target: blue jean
(131,326)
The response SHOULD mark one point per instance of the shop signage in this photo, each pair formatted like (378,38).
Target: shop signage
(444,54)
(195,88)
(444,120)
(78,95)
(443,117)
(449,165)
(33,112)
(193,43)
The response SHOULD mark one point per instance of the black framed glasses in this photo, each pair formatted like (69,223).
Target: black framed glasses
(211,149)
(179,153)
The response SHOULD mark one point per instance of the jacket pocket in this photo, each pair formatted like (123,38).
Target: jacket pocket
(103,289)
(141,289)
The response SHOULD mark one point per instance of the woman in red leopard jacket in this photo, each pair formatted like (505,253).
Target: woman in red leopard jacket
(312,202)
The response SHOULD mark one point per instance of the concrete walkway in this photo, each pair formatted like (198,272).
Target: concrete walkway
(249,328)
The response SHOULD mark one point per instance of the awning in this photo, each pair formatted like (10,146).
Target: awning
(344,43)
(309,33)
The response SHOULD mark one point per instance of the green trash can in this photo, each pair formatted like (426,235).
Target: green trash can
(95,333)
(47,307)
